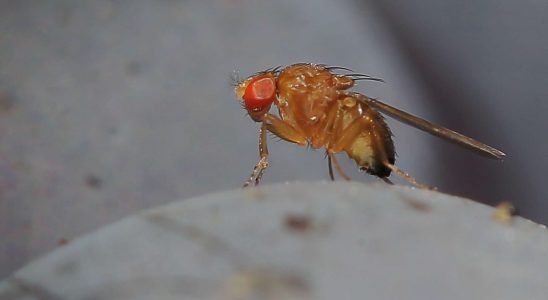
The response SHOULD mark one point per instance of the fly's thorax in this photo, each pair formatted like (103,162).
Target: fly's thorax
(306,91)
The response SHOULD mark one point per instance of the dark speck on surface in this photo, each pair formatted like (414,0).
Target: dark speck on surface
(62,242)
(417,204)
(7,102)
(92,181)
(298,223)
(134,68)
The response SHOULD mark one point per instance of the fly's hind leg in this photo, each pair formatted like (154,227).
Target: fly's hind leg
(388,181)
(408,177)
(363,124)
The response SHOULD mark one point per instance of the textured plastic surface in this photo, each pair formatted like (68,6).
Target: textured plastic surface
(299,241)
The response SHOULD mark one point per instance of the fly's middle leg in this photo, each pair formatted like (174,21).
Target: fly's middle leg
(332,158)
(329,166)
(332,138)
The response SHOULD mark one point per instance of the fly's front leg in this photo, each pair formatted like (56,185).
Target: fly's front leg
(281,129)
(284,130)
(261,166)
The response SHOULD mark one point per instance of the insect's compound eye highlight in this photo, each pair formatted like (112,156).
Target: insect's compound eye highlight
(260,93)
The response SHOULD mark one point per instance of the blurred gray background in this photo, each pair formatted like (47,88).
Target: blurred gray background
(111,107)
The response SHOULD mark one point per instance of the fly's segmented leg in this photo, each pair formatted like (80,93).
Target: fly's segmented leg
(357,127)
(259,168)
(332,128)
(397,170)
(284,130)
(331,157)
(331,122)
(408,177)
(348,136)
(385,179)
(330,167)
(281,129)
(341,172)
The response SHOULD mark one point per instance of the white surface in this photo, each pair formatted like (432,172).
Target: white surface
(111,107)
(361,242)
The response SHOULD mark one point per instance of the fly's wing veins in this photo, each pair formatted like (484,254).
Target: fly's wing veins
(431,128)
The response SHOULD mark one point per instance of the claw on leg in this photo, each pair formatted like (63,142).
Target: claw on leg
(257,173)
(385,179)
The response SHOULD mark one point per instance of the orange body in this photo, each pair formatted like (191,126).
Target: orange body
(310,99)
(316,108)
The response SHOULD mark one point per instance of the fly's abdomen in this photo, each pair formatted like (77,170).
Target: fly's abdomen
(373,147)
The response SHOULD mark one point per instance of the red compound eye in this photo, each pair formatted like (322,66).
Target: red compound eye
(260,93)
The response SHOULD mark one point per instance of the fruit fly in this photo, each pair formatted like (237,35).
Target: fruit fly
(317,108)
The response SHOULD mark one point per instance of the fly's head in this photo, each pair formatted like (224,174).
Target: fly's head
(257,93)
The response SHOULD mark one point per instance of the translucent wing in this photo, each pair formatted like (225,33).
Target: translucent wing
(431,128)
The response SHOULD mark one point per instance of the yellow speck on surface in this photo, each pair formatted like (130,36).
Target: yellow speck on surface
(503,212)
(253,194)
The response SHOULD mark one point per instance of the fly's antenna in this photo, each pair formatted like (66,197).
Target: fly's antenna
(235,78)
